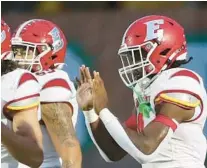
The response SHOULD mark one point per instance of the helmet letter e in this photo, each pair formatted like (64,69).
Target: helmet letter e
(153,30)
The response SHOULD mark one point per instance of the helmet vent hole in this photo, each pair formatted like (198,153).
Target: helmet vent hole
(165,52)
(35,35)
(53,57)
(137,35)
(171,23)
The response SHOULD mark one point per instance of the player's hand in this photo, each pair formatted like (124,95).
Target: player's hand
(84,92)
(100,98)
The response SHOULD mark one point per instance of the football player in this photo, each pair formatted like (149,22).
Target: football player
(21,135)
(40,46)
(166,129)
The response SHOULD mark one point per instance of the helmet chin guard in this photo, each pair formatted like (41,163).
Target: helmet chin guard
(136,64)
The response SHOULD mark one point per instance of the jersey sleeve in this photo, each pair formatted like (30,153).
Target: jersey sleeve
(27,93)
(58,88)
(184,89)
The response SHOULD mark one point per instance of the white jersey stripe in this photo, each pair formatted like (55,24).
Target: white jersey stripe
(23,25)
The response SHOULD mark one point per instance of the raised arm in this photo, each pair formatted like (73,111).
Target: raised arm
(106,145)
(144,144)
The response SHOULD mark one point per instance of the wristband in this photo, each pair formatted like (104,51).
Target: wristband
(90,116)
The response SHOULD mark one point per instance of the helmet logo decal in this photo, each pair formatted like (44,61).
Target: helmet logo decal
(153,30)
(57,41)
(3,36)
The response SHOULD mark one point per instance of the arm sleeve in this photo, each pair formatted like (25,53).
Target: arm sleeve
(103,155)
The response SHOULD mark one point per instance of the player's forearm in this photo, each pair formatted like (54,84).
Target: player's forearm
(72,157)
(106,142)
(71,164)
(24,149)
